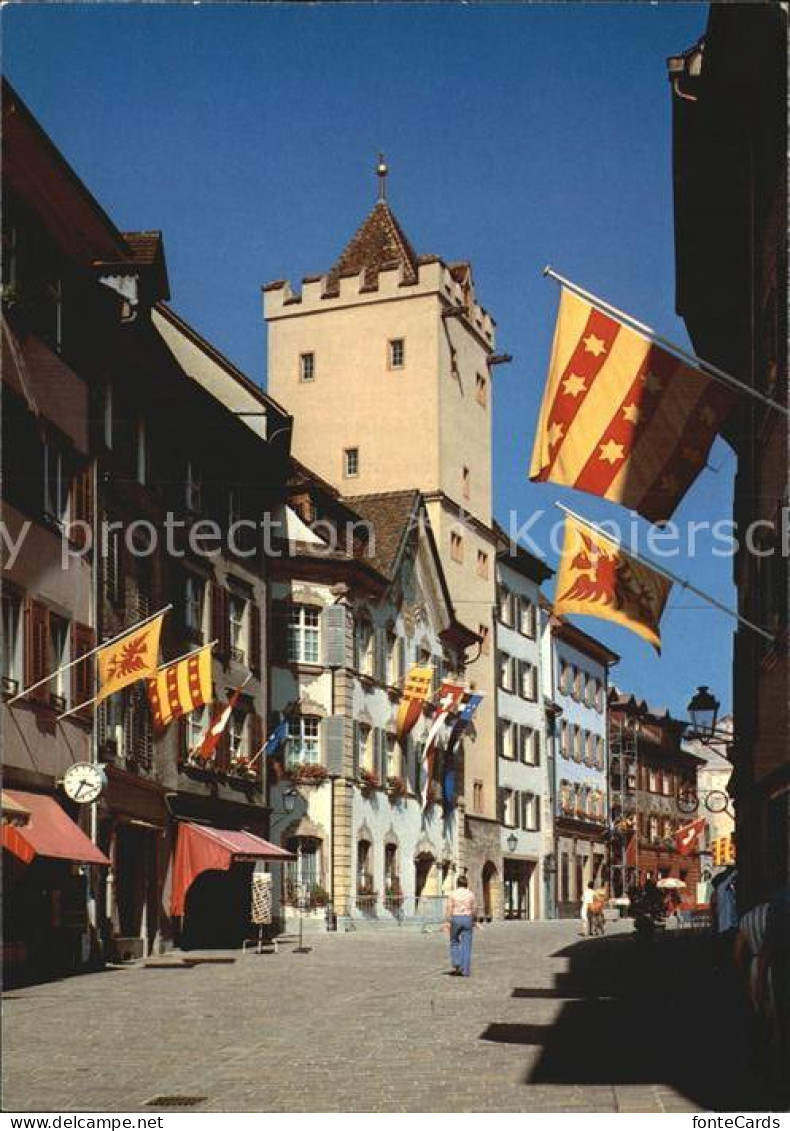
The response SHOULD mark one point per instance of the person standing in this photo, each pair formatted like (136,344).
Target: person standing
(460,913)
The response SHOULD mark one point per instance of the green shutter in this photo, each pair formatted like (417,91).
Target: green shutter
(334,729)
(334,636)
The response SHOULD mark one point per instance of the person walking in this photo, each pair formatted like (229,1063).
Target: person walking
(585,914)
(460,913)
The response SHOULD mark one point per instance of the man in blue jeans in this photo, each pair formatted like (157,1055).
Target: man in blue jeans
(461,912)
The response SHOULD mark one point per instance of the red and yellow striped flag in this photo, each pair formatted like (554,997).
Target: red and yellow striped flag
(621,417)
(416,690)
(599,579)
(180,687)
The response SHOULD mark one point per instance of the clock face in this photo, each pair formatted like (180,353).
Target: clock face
(687,801)
(84,781)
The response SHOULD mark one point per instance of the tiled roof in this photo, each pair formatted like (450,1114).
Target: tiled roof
(389,514)
(377,244)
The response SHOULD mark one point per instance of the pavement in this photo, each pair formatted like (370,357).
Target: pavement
(370,1021)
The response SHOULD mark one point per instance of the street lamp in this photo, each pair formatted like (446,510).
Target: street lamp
(704,711)
(512,843)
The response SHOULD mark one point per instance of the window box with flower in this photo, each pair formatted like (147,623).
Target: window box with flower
(369,781)
(396,788)
(306,773)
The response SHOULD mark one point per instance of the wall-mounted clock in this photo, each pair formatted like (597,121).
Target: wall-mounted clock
(84,782)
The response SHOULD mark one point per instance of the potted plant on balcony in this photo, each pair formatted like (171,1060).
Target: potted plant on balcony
(368,780)
(306,773)
(396,788)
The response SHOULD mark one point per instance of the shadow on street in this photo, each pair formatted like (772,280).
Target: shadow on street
(666,1011)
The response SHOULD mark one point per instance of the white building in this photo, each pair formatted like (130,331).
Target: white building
(576,667)
(525,808)
(352,620)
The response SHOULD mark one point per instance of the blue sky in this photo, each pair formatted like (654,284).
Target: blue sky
(517,135)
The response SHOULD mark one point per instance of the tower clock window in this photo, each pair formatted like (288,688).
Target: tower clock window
(350,462)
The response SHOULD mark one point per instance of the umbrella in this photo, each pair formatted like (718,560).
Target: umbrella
(671,882)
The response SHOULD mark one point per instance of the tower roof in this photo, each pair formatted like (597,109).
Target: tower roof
(377,244)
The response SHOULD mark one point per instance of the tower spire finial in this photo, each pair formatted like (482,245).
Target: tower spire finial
(382,169)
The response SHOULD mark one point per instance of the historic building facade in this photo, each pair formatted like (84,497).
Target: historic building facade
(658,796)
(358,597)
(525,809)
(576,671)
(729,105)
(55,315)
(105,390)
(386,363)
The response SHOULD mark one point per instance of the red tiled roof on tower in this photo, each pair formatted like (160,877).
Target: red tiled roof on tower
(378,243)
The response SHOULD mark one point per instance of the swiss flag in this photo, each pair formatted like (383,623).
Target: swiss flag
(687,837)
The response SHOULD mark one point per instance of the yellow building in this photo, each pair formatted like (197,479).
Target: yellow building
(385,364)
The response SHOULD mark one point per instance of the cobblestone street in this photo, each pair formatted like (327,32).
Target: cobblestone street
(371,1022)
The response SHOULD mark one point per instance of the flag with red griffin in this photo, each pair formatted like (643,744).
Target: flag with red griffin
(597,578)
(686,838)
(133,656)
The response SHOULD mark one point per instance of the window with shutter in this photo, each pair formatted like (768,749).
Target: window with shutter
(82,507)
(36,648)
(380,753)
(333,623)
(112,564)
(255,637)
(334,732)
(11,644)
(220,626)
(82,679)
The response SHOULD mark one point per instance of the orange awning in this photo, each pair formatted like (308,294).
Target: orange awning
(200,848)
(49,832)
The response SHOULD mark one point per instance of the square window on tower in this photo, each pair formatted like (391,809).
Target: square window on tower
(307,367)
(350,462)
(397,353)
(481,390)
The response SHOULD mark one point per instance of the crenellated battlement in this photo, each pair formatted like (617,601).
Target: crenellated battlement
(334,291)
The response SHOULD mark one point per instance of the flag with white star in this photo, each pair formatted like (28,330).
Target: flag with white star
(598,578)
(621,417)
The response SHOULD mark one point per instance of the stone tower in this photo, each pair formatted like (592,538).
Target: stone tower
(384,362)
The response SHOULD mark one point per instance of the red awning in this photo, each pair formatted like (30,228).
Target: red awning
(49,832)
(202,849)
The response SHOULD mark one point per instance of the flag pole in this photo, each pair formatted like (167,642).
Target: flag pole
(186,656)
(84,656)
(706,367)
(682,582)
